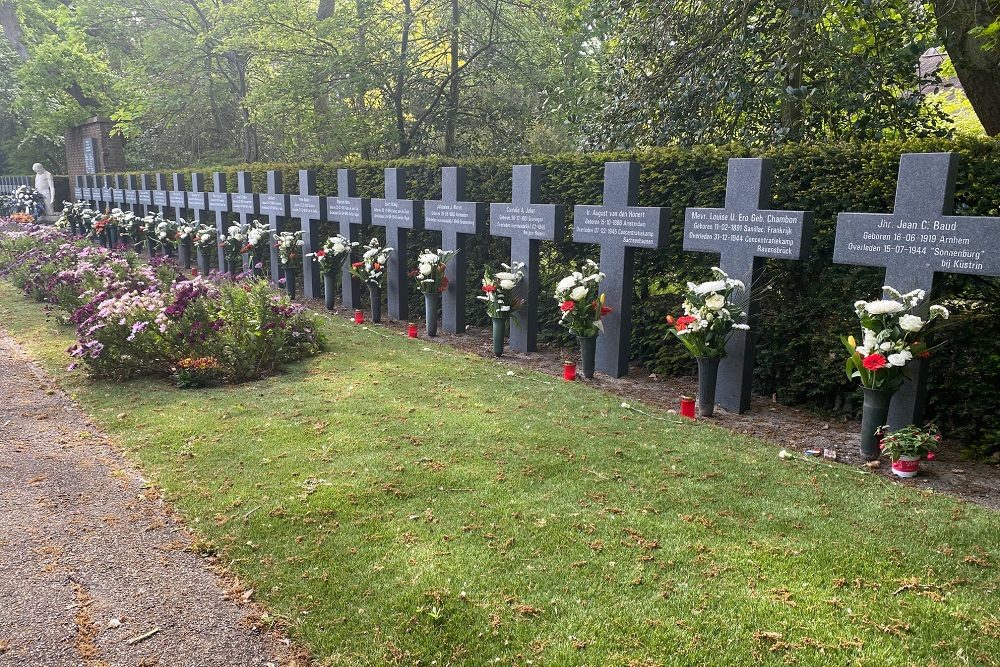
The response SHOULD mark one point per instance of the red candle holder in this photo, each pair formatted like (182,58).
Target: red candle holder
(687,407)
(359,317)
(411,330)
(569,371)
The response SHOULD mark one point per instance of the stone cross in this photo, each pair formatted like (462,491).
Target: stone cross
(131,193)
(398,216)
(350,212)
(145,194)
(78,185)
(218,202)
(306,207)
(619,227)
(274,205)
(177,197)
(93,192)
(196,197)
(118,190)
(160,190)
(919,238)
(744,233)
(527,223)
(106,191)
(458,221)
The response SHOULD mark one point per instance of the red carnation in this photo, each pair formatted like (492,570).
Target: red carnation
(357,265)
(321,253)
(605,310)
(376,266)
(567,305)
(489,288)
(873,362)
(683,321)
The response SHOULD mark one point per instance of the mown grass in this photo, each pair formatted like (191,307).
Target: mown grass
(401,505)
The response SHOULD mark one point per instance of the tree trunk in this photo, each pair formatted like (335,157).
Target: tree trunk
(451,121)
(12,29)
(404,53)
(791,108)
(976,62)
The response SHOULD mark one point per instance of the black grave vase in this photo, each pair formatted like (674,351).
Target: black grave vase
(112,236)
(432,304)
(375,295)
(708,376)
(290,282)
(329,289)
(874,413)
(247,262)
(588,354)
(204,266)
(150,246)
(166,248)
(499,331)
(184,253)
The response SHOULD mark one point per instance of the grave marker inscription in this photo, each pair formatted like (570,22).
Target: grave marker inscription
(197,197)
(307,208)
(274,205)
(744,233)
(619,227)
(398,216)
(349,212)
(527,223)
(218,203)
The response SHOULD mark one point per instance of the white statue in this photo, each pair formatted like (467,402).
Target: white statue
(45,185)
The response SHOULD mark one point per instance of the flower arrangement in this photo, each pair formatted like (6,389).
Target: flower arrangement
(204,237)
(912,440)
(257,236)
(75,214)
(288,244)
(499,288)
(24,199)
(232,244)
(371,268)
(892,336)
(711,313)
(185,231)
(165,231)
(581,302)
(331,256)
(430,270)
(22,218)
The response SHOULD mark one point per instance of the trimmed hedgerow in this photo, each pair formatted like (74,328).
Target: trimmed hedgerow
(804,305)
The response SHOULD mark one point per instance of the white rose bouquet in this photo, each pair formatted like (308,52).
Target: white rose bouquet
(204,237)
(431,265)
(232,244)
(712,311)
(371,268)
(581,302)
(498,290)
(333,253)
(288,245)
(891,336)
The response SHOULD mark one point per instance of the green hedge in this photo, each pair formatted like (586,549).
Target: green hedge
(804,305)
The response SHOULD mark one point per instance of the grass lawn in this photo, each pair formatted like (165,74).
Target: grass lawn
(401,505)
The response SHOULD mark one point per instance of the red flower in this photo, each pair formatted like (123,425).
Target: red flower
(321,253)
(567,305)
(605,310)
(444,284)
(357,265)
(489,288)
(376,266)
(873,362)
(670,319)
(683,321)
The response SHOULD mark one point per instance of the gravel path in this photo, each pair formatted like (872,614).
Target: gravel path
(90,557)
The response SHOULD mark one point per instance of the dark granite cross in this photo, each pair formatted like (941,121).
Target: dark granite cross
(197,198)
(160,190)
(458,221)
(919,238)
(131,194)
(177,196)
(118,190)
(78,186)
(527,223)
(218,202)
(398,216)
(106,191)
(274,205)
(91,192)
(619,227)
(744,233)
(350,212)
(145,194)
(306,206)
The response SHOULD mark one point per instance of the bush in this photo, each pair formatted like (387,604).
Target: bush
(134,319)
(804,305)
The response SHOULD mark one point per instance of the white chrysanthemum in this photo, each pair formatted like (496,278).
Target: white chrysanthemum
(428,258)
(425,269)
(884,307)
(715,302)
(709,287)
(870,339)
(911,323)
(339,248)
(370,253)
(506,284)
(505,276)
(899,358)
(566,284)
(742,327)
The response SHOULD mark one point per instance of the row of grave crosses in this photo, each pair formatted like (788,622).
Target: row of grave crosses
(919,238)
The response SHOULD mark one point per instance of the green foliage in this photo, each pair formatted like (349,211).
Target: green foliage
(805,306)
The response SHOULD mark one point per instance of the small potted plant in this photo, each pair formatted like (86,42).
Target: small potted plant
(712,312)
(907,446)
(371,271)
(582,305)
(330,258)
(432,281)
(498,293)
(892,336)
